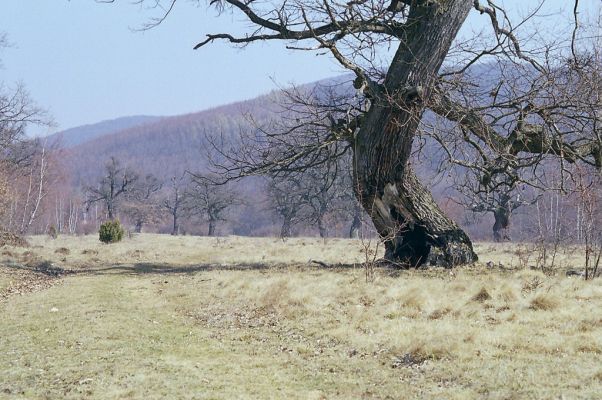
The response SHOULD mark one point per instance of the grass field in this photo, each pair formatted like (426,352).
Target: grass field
(204,318)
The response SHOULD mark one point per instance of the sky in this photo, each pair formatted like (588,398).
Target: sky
(85,62)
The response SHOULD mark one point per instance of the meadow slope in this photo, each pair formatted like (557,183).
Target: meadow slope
(205,318)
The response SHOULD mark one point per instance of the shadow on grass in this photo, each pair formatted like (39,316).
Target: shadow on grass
(54,269)
(170,269)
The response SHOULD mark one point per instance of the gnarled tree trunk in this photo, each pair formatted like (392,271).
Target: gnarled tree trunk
(415,229)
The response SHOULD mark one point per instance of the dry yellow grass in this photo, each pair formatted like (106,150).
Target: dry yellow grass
(86,251)
(148,319)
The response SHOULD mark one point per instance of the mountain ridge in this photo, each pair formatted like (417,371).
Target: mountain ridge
(81,134)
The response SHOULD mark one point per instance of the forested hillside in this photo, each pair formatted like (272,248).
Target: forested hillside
(81,134)
(169,148)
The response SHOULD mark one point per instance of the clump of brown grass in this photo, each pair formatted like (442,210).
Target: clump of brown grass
(507,294)
(28,256)
(412,299)
(589,347)
(502,309)
(588,325)
(543,302)
(89,252)
(430,350)
(274,295)
(63,250)
(482,296)
(135,254)
(439,313)
(598,376)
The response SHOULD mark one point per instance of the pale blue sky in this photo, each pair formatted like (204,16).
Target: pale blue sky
(83,62)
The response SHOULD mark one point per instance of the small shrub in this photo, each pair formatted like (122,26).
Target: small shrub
(111,232)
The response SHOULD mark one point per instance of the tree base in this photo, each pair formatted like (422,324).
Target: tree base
(417,248)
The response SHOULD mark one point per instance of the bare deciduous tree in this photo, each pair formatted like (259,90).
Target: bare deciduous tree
(18,154)
(287,201)
(210,201)
(396,51)
(141,205)
(113,186)
(175,201)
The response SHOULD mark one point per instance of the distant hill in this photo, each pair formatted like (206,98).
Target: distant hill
(167,146)
(81,134)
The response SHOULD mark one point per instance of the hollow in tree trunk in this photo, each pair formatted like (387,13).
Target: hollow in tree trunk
(415,230)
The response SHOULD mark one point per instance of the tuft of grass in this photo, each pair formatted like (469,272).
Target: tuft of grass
(439,313)
(412,299)
(431,350)
(543,302)
(275,295)
(62,250)
(507,294)
(482,296)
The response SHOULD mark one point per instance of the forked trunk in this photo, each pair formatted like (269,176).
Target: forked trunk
(415,229)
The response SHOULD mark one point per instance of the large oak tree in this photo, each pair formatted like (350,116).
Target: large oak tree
(396,50)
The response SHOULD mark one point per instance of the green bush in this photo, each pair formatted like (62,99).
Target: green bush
(111,232)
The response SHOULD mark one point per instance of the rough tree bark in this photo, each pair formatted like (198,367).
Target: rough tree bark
(415,229)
